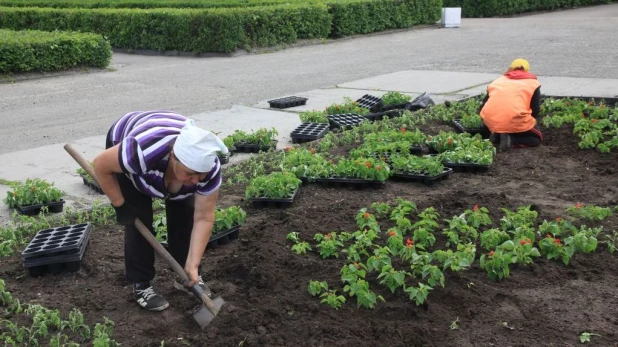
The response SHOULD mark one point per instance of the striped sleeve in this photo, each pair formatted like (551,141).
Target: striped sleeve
(211,182)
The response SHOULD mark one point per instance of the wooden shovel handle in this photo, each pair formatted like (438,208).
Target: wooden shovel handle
(197,291)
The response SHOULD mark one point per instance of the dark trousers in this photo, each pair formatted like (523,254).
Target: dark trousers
(139,256)
(530,138)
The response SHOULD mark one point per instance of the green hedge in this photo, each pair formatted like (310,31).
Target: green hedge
(149,3)
(191,30)
(31,50)
(361,16)
(224,29)
(490,8)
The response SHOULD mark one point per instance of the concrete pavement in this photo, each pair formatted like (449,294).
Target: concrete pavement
(54,164)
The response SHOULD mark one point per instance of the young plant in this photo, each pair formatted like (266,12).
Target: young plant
(333,300)
(456,261)
(418,294)
(524,216)
(301,247)
(477,216)
(392,278)
(305,163)
(317,287)
(491,238)
(32,192)
(348,106)
(227,218)
(585,337)
(276,185)
(365,220)
(260,137)
(429,166)
(381,209)
(364,296)
(497,263)
(554,248)
(362,168)
(611,242)
(403,209)
(328,244)
(522,250)
(585,240)
(459,231)
(471,121)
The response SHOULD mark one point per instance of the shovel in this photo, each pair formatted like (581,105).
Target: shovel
(210,307)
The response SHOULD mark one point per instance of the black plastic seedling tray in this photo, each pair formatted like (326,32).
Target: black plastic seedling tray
(404,106)
(344,121)
(224,236)
(55,242)
(467,167)
(92,185)
(225,158)
(272,202)
(33,210)
(350,182)
(609,101)
(460,128)
(309,132)
(291,101)
(379,115)
(254,148)
(428,180)
(373,103)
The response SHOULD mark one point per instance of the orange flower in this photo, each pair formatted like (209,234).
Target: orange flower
(378,168)
(312,150)
(548,236)
(328,236)
(558,219)
(593,120)
(409,242)
(579,205)
(491,254)
(368,164)
(476,207)
(449,141)
(403,130)
(287,149)
(366,215)
(557,241)
(392,233)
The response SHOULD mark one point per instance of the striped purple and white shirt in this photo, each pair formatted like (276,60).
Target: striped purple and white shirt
(145,139)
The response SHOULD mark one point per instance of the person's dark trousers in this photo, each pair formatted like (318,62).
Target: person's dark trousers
(530,138)
(138,253)
(179,226)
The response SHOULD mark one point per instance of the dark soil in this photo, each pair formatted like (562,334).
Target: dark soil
(264,283)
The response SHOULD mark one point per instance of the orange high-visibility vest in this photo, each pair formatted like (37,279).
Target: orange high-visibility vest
(508,108)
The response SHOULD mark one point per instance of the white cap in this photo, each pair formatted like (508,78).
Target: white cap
(197,148)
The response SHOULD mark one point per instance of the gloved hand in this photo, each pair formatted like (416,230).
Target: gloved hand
(126,214)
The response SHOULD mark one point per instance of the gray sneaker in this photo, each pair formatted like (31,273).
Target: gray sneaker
(200,282)
(148,299)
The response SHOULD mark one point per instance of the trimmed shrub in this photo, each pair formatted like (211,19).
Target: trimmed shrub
(191,30)
(361,16)
(31,50)
(490,8)
(145,4)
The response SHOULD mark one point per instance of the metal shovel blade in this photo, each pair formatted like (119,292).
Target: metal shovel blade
(203,316)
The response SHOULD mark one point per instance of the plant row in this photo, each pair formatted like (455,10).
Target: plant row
(407,257)
(33,50)
(594,123)
(47,328)
(225,29)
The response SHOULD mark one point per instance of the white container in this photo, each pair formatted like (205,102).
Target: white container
(451,17)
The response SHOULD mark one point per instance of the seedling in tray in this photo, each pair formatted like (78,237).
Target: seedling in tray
(261,140)
(426,170)
(345,121)
(278,188)
(348,106)
(30,197)
(88,181)
(360,172)
(395,98)
(313,117)
(305,164)
(227,225)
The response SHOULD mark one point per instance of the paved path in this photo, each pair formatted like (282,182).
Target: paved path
(575,43)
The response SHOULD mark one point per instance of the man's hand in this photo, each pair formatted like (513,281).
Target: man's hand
(191,271)
(126,214)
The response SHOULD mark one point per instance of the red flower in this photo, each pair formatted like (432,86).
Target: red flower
(593,120)
(368,164)
(476,207)
(392,233)
(409,246)
(579,205)
(522,242)
(409,242)
(491,254)
(548,236)
(558,219)
(287,149)
(557,241)
(366,215)
(403,130)
(328,236)
(449,141)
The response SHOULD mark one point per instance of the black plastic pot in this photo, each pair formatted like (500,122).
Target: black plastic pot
(274,202)
(425,179)
(356,183)
(344,121)
(254,148)
(373,103)
(91,184)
